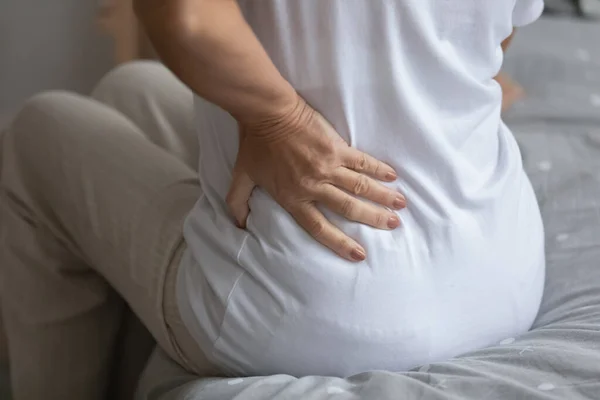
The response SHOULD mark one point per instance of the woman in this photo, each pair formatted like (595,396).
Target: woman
(89,204)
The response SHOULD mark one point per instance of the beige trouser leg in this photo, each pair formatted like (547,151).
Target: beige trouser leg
(162,107)
(157,103)
(87,203)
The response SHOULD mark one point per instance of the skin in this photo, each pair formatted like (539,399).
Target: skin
(507,42)
(286,147)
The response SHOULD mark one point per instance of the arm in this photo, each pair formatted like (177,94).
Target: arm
(211,48)
(286,147)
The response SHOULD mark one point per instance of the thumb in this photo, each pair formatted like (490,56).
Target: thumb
(239,193)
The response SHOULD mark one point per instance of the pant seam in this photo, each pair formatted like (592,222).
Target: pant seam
(174,262)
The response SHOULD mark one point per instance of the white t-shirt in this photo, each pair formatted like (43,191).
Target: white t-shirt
(409,82)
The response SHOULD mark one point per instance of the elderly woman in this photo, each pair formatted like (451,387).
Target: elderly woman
(359,203)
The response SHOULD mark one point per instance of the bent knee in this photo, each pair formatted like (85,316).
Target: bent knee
(44,121)
(42,110)
(130,79)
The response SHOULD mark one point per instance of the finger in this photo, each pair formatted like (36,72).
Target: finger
(364,163)
(356,210)
(315,223)
(365,187)
(239,194)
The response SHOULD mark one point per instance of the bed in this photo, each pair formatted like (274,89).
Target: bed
(558,128)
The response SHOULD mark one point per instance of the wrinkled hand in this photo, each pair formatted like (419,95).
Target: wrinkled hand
(300,160)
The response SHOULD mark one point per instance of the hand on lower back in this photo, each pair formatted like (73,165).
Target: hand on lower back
(300,160)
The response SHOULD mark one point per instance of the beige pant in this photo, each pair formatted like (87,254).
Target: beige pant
(92,202)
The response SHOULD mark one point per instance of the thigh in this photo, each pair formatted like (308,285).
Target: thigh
(158,103)
(89,175)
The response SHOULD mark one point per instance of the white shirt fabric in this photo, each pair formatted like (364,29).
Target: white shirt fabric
(411,83)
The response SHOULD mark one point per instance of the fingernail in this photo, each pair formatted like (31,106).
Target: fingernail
(358,255)
(391,176)
(399,203)
(393,222)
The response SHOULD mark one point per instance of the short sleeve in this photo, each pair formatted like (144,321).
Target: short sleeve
(527,11)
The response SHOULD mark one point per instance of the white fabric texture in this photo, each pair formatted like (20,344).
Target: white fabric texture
(411,83)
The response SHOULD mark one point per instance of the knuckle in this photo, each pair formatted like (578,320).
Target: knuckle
(320,172)
(361,186)
(321,169)
(327,147)
(348,208)
(344,245)
(316,228)
(361,162)
(377,169)
(379,219)
(306,189)
(305,182)
(382,197)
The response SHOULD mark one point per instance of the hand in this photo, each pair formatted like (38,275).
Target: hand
(300,160)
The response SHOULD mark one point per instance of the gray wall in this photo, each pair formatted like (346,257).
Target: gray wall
(49,44)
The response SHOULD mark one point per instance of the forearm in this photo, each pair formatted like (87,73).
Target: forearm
(211,48)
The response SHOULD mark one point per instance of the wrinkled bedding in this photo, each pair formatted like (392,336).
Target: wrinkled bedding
(558,128)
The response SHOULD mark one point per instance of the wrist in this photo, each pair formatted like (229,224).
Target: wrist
(279,119)
(269,101)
